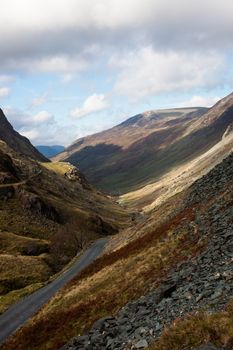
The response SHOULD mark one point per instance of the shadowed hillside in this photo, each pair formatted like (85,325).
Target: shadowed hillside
(139,143)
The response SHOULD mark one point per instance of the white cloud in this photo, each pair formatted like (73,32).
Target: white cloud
(4,91)
(199,101)
(23,120)
(59,64)
(69,35)
(32,134)
(36,127)
(92,104)
(42,117)
(4,78)
(67,78)
(147,72)
(160,46)
(39,100)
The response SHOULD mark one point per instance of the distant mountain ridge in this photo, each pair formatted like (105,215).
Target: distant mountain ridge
(145,147)
(50,151)
(16,141)
(139,143)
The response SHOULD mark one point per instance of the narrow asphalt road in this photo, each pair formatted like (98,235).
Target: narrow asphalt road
(20,312)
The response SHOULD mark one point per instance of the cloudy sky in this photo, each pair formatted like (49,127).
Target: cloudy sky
(69,68)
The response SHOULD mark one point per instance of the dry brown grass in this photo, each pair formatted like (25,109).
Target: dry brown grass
(199,329)
(106,286)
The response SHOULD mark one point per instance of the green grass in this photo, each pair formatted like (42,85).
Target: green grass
(58,167)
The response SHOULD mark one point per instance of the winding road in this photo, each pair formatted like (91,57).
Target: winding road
(20,312)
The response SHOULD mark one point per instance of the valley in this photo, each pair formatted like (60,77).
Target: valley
(164,280)
(116,175)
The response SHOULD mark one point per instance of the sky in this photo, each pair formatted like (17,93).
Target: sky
(69,68)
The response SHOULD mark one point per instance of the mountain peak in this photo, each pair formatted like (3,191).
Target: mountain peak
(16,141)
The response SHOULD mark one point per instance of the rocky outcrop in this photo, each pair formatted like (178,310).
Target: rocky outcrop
(73,174)
(203,281)
(35,205)
(8,171)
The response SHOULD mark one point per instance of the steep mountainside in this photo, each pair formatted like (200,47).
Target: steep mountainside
(172,268)
(202,280)
(16,141)
(180,177)
(142,143)
(48,212)
(50,151)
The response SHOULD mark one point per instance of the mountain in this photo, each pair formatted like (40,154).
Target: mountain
(16,141)
(139,143)
(182,176)
(50,151)
(48,213)
(151,144)
(217,124)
